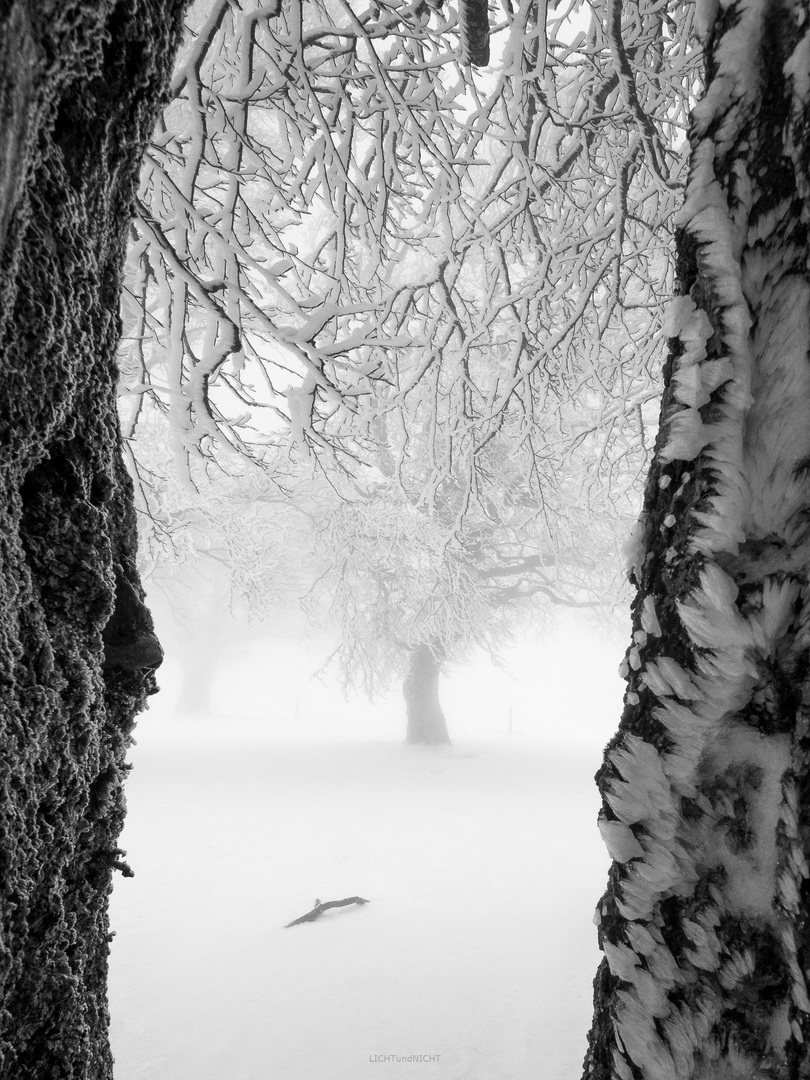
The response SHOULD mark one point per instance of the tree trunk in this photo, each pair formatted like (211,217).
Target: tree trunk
(199,663)
(202,630)
(80,83)
(706,786)
(426,723)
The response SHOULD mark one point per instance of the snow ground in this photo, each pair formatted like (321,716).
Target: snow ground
(482,863)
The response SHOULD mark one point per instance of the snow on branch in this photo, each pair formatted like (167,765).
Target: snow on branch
(352,241)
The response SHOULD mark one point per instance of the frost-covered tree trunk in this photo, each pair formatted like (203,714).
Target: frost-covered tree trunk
(426,722)
(80,82)
(706,802)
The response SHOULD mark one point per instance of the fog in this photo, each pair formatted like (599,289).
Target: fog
(481,863)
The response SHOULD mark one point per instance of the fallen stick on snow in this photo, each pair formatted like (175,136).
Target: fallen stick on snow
(319,909)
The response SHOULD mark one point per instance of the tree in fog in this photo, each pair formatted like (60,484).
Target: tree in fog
(80,86)
(224,552)
(410,593)
(704,922)
(406,598)
(414,269)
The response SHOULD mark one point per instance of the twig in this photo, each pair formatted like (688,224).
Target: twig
(319,909)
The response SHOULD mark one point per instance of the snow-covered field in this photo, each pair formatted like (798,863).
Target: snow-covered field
(481,862)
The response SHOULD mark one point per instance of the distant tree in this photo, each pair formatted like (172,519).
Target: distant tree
(405,598)
(706,812)
(226,549)
(409,592)
(80,86)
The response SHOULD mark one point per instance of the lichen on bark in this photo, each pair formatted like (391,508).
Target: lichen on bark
(80,85)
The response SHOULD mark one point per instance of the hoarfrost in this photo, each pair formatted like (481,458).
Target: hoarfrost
(649,617)
(633,548)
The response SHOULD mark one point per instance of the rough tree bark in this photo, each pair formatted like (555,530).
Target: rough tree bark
(706,786)
(80,83)
(473,16)
(426,723)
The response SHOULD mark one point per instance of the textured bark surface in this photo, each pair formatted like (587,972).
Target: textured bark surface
(706,809)
(80,83)
(473,18)
(426,722)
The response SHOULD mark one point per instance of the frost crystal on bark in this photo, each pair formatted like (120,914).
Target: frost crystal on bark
(80,83)
(705,785)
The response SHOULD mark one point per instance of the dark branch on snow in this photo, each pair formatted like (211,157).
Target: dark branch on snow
(319,909)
